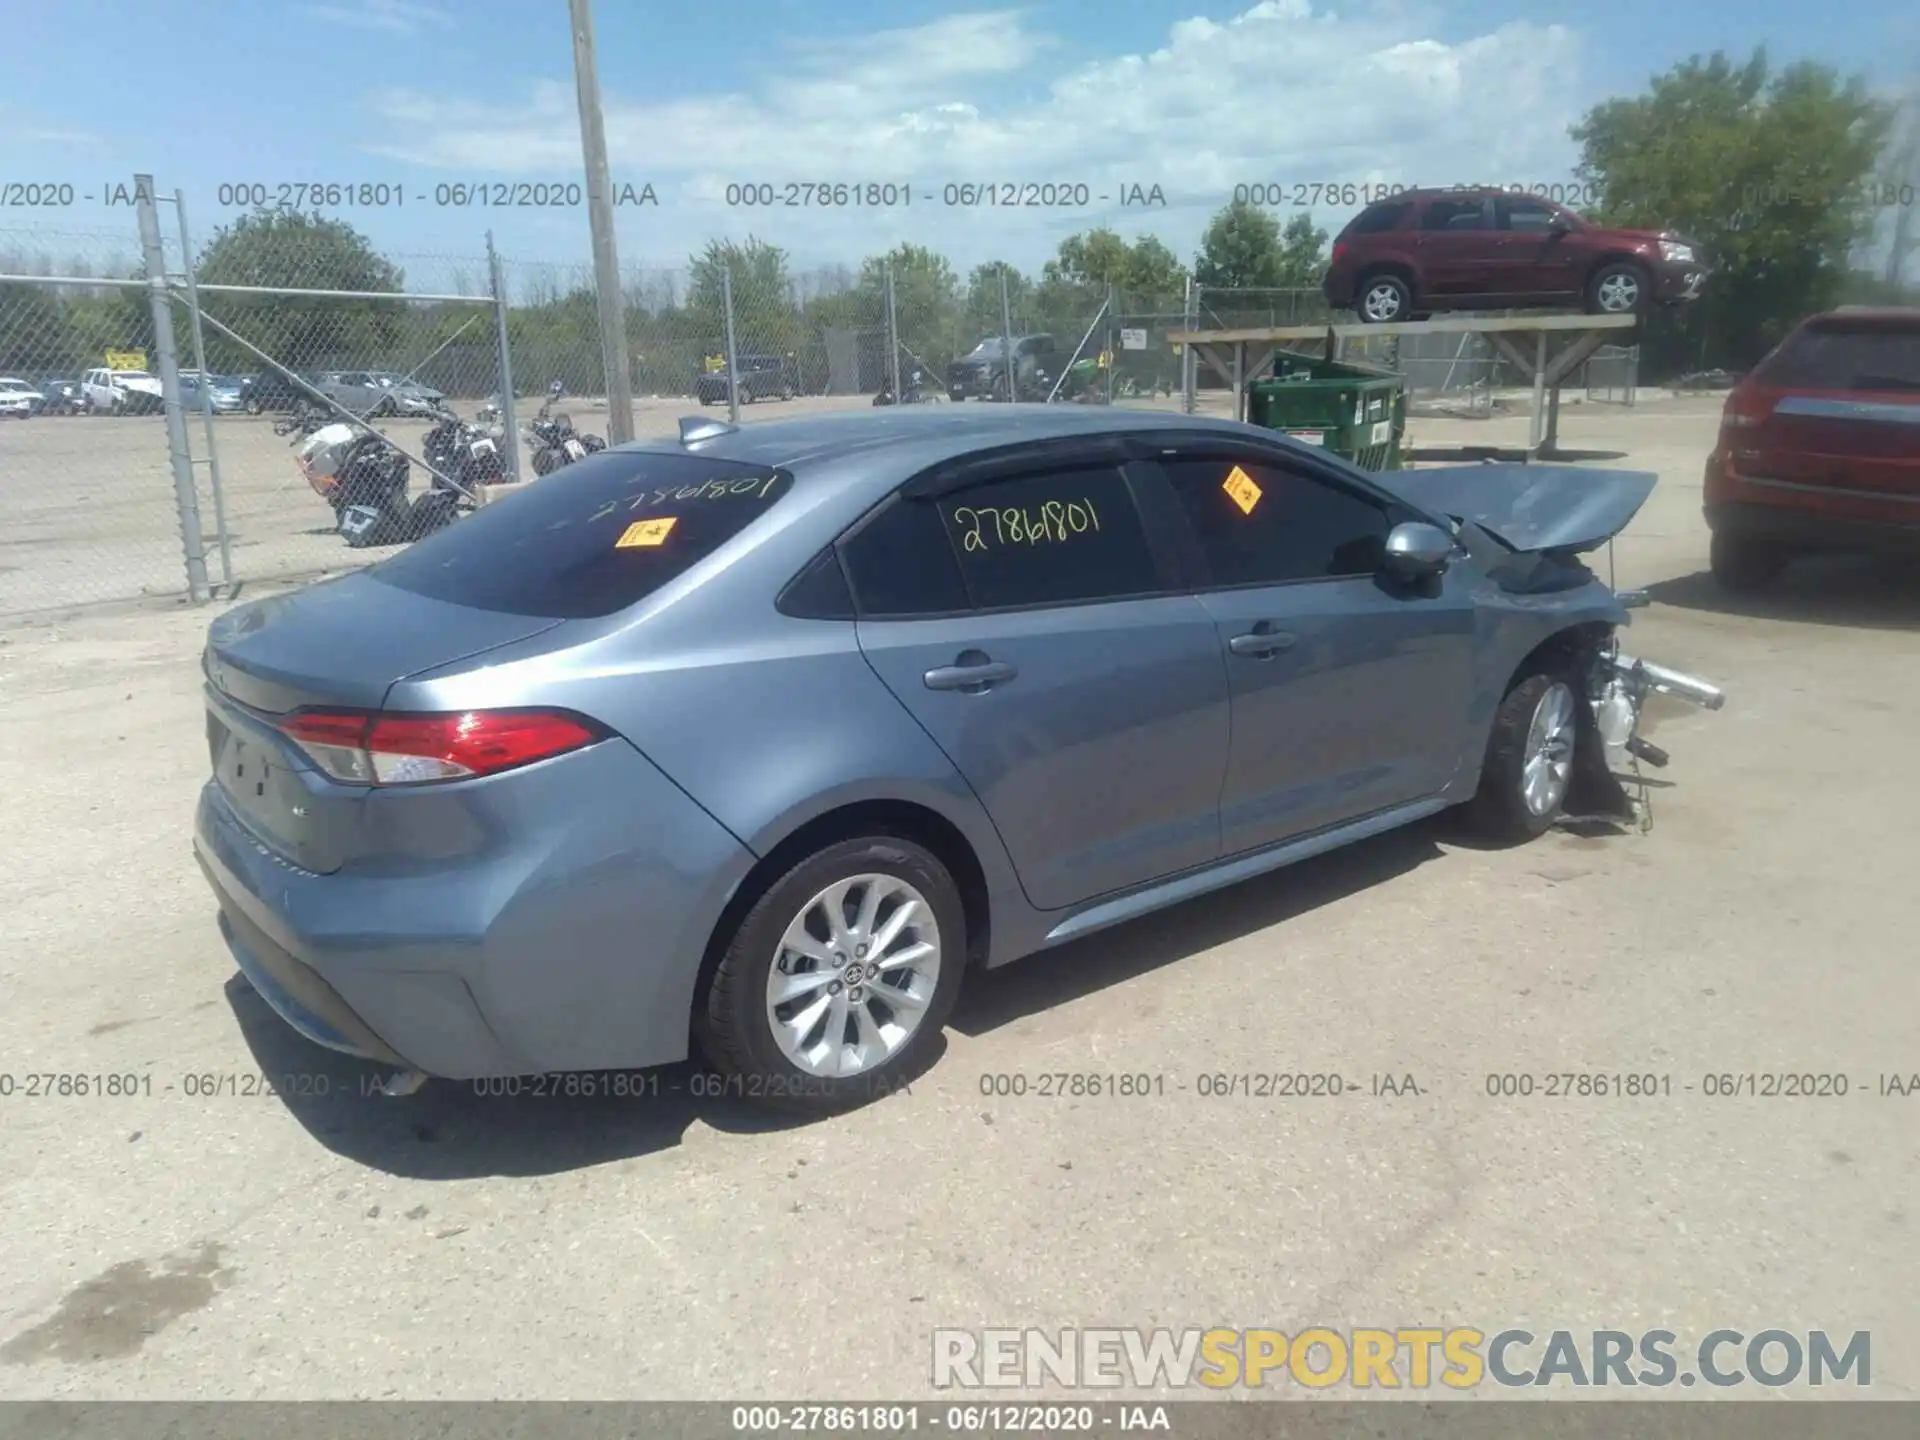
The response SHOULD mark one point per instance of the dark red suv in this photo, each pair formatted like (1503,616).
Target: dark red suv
(1468,249)
(1820,447)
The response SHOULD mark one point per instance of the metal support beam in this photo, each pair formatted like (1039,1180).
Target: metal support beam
(1537,416)
(186,498)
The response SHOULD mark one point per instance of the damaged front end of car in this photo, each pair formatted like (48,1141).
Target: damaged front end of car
(1618,685)
(1544,519)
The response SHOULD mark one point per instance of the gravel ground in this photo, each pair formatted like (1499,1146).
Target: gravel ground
(175,1244)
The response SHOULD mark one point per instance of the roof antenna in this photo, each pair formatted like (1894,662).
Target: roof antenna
(695,428)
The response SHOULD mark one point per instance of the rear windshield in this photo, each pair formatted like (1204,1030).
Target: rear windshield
(1847,357)
(590,539)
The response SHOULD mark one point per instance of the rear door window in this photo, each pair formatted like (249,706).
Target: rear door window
(1847,357)
(1055,537)
(591,539)
(1469,213)
(1377,219)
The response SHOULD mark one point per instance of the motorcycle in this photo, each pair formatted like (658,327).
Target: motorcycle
(363,477)
(553,439)
(914,392)
(466,455)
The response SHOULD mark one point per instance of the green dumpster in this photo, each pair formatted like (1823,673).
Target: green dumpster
(1355,411)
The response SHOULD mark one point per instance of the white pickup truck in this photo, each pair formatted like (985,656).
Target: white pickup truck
(121,392)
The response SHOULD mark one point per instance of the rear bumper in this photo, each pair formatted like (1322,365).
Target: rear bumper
(1809,530)
(1804,516)
(549,919)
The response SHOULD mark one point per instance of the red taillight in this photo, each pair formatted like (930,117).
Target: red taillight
(1746,408)
(1339,249)
(361,748)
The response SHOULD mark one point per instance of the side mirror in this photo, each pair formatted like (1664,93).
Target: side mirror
(1417,550)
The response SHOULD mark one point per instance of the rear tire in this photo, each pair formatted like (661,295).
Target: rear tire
(736,1026)
(1529,764)
(1382,299)
(1743,565)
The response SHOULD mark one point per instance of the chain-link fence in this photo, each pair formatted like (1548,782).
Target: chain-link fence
(156,463)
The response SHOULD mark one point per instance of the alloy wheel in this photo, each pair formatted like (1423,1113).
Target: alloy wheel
(856,969)
(1618,293)
(1548,765)
(1381,304)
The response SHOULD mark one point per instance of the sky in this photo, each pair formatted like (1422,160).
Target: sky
(443,119)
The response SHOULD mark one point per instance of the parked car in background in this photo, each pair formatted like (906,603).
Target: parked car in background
(63,396)
(760,739)
(1430,250)
(223,390)
(270,390)
(1819,448)
(17,392)
(121,392)
(762,377)
(377,394)
(982,372)
(15,406)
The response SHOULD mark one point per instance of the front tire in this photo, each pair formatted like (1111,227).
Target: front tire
(839,978)
(1529,765)
(1619,288)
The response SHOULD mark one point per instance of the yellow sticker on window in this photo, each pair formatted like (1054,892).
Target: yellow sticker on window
(645,532)
(1241,490)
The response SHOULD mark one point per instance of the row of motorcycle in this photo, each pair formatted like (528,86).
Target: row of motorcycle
(366,479)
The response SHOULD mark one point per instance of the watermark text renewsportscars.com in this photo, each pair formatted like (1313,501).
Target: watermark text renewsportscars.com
(1406,1357)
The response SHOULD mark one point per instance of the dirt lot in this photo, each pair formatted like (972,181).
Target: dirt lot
(176,1245)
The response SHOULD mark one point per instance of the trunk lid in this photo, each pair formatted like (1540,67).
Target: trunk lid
(1567,508)
(341,644)
(345,642)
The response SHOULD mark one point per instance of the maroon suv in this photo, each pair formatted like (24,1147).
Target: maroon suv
(1428,250)
(1820,447)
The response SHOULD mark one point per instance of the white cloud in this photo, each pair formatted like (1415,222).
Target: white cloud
(400,17)
(1280,93)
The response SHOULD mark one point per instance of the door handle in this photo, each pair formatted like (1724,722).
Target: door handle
(972,672)
(1262,643)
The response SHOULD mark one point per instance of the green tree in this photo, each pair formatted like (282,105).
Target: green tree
(764,312)
(1766,171)
(285,249)
(1240,250)
(926,297)
(983,311)
(1303,254)
(35,334)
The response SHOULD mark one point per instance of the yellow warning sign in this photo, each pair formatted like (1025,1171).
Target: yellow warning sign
(1241,490)
(645,532)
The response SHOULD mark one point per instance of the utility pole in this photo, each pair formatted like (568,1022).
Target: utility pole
(606,259)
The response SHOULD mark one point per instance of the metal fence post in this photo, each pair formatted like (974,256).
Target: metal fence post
(1006,337)
(158,298)
(1106,350)
(1189,401)
(893,339)
(496,277)
(733,359)
(206,397)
